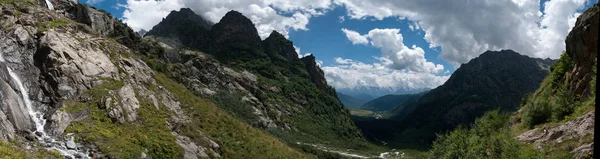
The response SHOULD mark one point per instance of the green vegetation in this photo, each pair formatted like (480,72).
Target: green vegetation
(43,26)
(8,150)
(236,139)
(359,114)
(232,103)
(489,137)
(156,65)
(553,102)
(564,148)
(150,49)
(14,150)
(125,140)
(560,67)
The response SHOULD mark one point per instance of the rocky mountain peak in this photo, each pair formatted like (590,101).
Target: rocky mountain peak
(183,27)
(235,30)
(277,44)
(186,15)
(316,74)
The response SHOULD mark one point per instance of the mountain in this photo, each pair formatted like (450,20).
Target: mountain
(142,32)
(77,82)
(349,101)
(494,80)
(260,82)
(556,121)
(388,102)
(370,93)
(183,27)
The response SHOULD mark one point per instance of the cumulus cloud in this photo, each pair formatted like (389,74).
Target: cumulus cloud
(342,19)
(267,15)
(400,68)
(394,54)
(355,37)
(350,74)
(464,28)
(145,14)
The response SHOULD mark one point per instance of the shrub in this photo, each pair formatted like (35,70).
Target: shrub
(537,113)
(489,137)
(560,67)
(156,65)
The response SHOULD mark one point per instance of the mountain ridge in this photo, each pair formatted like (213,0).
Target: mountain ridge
(262,82)
(472,89)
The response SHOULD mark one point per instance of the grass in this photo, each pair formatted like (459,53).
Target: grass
(44,26)
(236,139)
(14,150)
(563,149)
(127,140)
(9,150)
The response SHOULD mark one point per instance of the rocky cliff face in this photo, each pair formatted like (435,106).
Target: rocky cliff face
(71,73)
(316,74)
(277,45)
(582,46)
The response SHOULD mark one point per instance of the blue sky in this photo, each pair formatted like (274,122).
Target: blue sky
(372,53)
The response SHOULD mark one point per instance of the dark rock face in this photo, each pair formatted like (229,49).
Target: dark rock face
(582,46)
(235,30)
(277,44)
(316,75)
(99,20)
(185,27)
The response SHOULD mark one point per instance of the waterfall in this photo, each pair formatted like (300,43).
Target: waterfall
(49,4)
(39,121)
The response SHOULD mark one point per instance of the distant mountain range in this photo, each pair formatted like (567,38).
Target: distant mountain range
(389,102)
(370,93)
(350,101)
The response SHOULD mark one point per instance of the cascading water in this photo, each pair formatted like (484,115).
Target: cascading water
(49,4)
(39,121)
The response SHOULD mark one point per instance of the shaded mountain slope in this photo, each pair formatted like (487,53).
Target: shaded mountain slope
(494,80)
(350,101)
(388,102)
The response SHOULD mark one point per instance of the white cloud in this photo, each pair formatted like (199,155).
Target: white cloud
(399,69)
(342,19)
(464,28)
(91,2)
(394,54)
(355,37)
(144,14)
(414,26)
(350,74)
